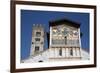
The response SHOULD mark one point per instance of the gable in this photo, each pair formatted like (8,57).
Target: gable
(64,21)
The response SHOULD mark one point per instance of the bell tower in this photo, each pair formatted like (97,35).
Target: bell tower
(37,43)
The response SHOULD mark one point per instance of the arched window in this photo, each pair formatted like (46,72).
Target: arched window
(36,48)
(37,39)
(60,52)
(38,34)
(65,40)
(71,52)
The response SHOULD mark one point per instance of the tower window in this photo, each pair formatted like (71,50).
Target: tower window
(41,42)
(60,52)
(37,39)
(71,52)
(36,48)
(32,43)
(38,34)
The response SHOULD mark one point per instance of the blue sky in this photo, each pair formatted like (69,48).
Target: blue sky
(30,17)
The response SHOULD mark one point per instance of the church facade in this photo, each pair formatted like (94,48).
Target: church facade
(64,42)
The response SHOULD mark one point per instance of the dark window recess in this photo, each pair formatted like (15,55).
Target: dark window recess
(60,52)
(38,34)
(71,52)
(37,39)
(40,61)
(36,48)
(32,42)
(41,42)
